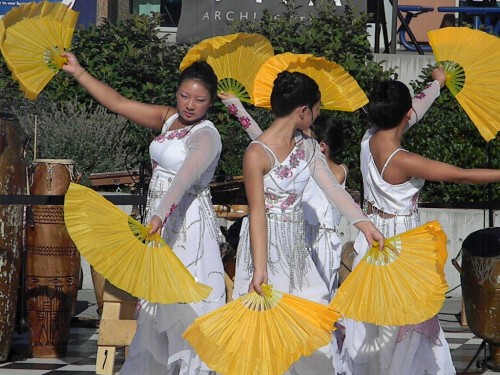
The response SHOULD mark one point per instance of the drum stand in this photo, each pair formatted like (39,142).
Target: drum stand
(483,364)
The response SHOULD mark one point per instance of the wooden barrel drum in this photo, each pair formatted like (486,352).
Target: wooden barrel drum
(52,262)
(480,276)
(12,182)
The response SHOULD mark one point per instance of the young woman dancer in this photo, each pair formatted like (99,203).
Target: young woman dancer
(321,218)
(392,179)
(276,168)
(184,157)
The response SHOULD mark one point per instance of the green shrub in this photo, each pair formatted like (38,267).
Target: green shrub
(92,137)
(132,58)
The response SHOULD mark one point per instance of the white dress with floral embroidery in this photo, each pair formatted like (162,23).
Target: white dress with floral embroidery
(184,163)
(416,349)
(321,218)
(290,266)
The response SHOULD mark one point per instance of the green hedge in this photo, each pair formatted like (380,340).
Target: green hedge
(131,57)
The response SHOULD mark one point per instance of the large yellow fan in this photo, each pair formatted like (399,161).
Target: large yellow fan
(261,335)
(235,58)
(471,59)
(401,284)
(122,250)
(32,38)
(339,90)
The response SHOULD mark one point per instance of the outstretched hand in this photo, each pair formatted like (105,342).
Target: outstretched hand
(226,95)
(438,74)
(257,280)
(156,224)
(372,234)
(72,65)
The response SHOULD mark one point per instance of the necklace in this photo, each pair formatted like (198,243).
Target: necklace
(187,125)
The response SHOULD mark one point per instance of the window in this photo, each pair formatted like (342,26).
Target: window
(170,10)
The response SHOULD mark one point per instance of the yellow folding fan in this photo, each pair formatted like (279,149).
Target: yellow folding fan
(261,335)
(122,250)
(235,58)
(32,38)
(401,284)
(339,90)
(471,59)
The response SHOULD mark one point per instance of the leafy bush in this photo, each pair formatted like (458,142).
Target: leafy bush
(130,57)
(339,38)
(447,134)
(91,136)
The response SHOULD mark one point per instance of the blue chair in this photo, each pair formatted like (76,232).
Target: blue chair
(411,11)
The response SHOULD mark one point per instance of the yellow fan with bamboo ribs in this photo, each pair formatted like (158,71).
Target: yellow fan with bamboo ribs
(471,59)
(339,90)
(32,38)
(401,284)
(122,250)
(235,58)
(261,335)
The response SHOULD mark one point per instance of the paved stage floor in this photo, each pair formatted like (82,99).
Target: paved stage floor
(82,346)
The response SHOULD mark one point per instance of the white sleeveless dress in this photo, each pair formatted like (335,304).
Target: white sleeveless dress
(321,226)
(184,163)
(290,266)
(321,217)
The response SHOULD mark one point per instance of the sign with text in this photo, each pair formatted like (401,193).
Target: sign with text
(201,19)
(6,5)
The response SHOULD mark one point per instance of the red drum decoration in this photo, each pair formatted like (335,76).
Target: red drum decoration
(52,262)
(12,182)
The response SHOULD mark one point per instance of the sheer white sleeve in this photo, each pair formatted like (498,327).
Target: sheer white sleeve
(332,189)
(423,101)
(202,150)
(236,109)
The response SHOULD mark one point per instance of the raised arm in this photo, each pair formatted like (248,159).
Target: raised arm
(147,115)
(432,170)
(235,108)
(423,101)
(202,149)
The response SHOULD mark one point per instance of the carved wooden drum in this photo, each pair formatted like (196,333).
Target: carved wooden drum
(12,182)
(480,275)
(52,262)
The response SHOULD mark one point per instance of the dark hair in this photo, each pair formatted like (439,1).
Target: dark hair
(389,102)
(327,129)
(292,90)
(202,72)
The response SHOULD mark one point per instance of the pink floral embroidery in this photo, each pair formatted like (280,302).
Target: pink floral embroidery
(422,94)
(170,212)
(175,134)
(178,134)
(284,171)
(290,200)
(296,157)
(271,200)
(414,201)
(233,110)
(244,121)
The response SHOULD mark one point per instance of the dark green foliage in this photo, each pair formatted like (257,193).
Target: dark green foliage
(447,134)
(131,58)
